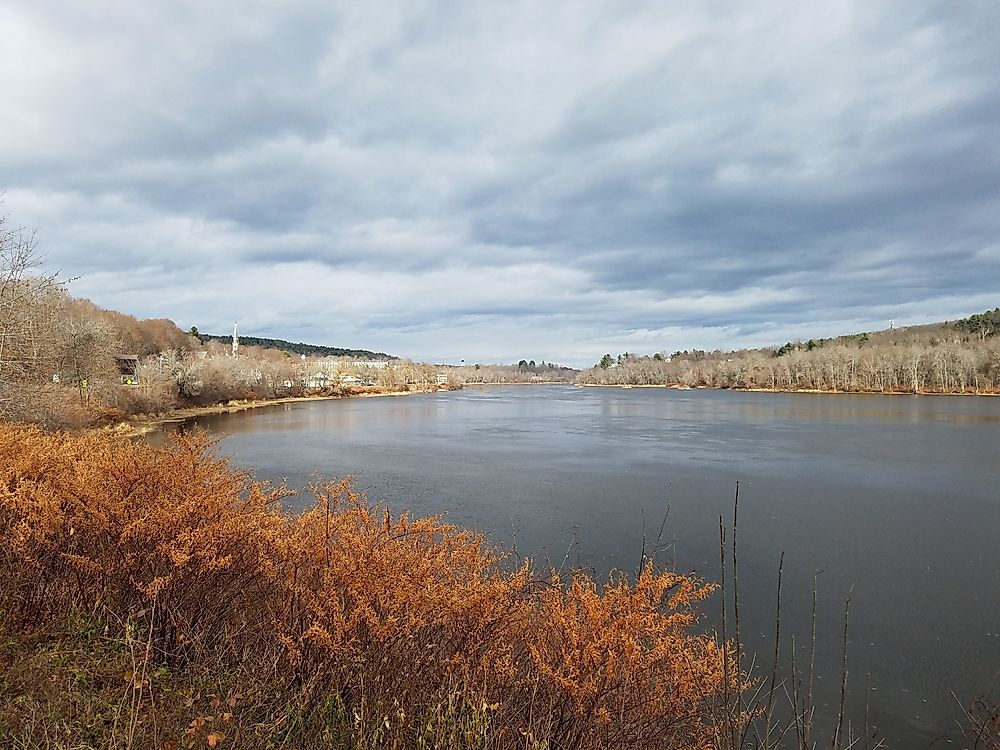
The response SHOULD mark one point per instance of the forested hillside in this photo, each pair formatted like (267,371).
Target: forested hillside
(951,357)
(982,325)
(297,348)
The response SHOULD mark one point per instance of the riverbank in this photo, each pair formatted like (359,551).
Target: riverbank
(144,424)
(811,391)
(536,382)
(671,386)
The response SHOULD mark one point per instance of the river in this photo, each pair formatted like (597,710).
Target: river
(892,500)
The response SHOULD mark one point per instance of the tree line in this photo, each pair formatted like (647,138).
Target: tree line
(525,371)
(65,362)
(982,325)
(295,347)
(940,358)
(57,353)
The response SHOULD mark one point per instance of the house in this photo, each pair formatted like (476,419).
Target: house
(317,380)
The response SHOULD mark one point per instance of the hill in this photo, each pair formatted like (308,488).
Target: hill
(299,348)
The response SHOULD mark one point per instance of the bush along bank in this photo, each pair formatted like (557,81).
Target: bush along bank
(161,598)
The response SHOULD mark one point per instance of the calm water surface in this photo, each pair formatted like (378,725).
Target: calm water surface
(895,500)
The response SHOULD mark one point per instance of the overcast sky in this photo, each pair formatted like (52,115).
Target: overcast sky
(495,180)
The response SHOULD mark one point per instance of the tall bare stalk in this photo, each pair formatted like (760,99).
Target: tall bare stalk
(843,681)
(769,711)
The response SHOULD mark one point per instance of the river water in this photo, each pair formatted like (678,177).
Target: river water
(893,501)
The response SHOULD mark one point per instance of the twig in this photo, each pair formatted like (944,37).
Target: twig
(642,551)
(725,634)
(659,536)
(809,704)
(843,682)
(736,607)
(768,714)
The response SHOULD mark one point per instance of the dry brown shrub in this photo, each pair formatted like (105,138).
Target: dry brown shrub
(624,657)
(149,398)
(101,525)
(402,632)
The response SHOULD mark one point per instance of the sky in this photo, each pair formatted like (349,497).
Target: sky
(491,181)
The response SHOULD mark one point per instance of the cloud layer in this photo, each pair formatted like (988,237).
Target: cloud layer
(490,181)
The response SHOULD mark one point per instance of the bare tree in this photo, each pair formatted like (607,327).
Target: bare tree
(29,306)
(86,351)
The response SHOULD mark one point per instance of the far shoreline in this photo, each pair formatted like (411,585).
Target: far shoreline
(536,382)
(144,425)
(808,391)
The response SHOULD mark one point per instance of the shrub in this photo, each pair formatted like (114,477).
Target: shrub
(378,630)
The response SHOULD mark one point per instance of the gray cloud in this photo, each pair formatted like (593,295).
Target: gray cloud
(496,180)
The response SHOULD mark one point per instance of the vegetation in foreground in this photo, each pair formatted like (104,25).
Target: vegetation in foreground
(159,598)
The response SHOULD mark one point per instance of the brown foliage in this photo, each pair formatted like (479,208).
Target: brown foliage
(93,524)
(133,336)
(48,339)
(395,630)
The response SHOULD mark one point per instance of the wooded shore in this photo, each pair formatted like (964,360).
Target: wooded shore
(808,391)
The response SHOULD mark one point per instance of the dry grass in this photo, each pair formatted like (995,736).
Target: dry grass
(160,598)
